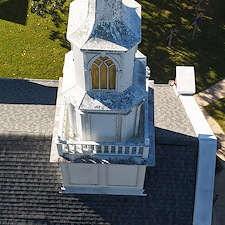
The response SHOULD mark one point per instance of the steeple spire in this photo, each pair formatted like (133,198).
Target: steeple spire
(113,24)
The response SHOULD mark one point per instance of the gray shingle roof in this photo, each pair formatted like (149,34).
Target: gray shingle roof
(27,106)
(30,184)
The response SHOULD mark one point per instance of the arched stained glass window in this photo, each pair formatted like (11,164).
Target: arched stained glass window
(103,73)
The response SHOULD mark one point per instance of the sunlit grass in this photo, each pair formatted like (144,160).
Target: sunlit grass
(37,48)
(206,51)
(33,50)
(217,110)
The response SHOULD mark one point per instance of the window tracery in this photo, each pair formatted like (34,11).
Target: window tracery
(103,73)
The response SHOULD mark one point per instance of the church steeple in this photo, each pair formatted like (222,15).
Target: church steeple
(105,105)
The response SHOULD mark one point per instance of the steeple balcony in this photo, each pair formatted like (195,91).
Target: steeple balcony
(135,151)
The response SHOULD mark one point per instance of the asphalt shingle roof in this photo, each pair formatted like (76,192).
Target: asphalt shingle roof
(30,184)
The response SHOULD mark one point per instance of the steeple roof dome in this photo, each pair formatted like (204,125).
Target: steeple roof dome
(104,24)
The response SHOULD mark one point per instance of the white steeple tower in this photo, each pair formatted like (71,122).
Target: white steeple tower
(105,127)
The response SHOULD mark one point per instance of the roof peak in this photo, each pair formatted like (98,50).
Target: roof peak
(104,24)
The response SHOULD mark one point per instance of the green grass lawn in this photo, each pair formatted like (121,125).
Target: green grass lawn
(31,46)
(217,109)
(34,47)
(206,51)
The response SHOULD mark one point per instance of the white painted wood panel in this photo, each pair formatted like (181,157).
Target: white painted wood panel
(103,127)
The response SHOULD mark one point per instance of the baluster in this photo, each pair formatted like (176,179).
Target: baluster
(123,150)
(116,149)
(75,148)
(130,150)
(94,149)
(90,148)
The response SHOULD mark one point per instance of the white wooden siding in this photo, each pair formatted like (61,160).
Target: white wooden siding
(103,127)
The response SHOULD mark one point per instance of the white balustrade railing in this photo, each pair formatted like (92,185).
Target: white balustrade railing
(94,148)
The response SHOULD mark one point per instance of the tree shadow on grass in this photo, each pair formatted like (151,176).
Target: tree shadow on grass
(59,21)
(206,51)
(58,36)
(14,11)
(217,111)
(158,18)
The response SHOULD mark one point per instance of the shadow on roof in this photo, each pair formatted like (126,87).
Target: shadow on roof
(14,11)
(163,136)
(19,91)
(170,187)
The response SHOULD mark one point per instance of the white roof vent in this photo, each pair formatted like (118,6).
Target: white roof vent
(185,80)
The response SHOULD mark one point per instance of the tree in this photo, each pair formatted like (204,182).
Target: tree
(43,7)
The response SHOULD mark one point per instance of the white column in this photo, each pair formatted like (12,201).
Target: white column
(205,180)
(206,162)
